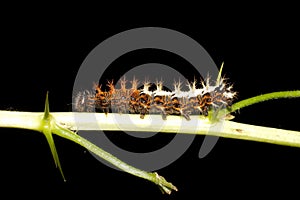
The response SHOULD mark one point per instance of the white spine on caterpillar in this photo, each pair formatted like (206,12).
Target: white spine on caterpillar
(146,88)
(159,90)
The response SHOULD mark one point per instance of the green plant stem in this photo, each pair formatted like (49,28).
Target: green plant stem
(264,97)
(153,177)
(174,124)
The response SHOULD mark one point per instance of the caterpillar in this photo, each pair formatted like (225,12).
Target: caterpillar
(146,100)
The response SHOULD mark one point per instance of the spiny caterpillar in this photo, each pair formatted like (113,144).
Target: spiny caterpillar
(145,100)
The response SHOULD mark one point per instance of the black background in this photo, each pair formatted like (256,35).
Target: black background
(43,53)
